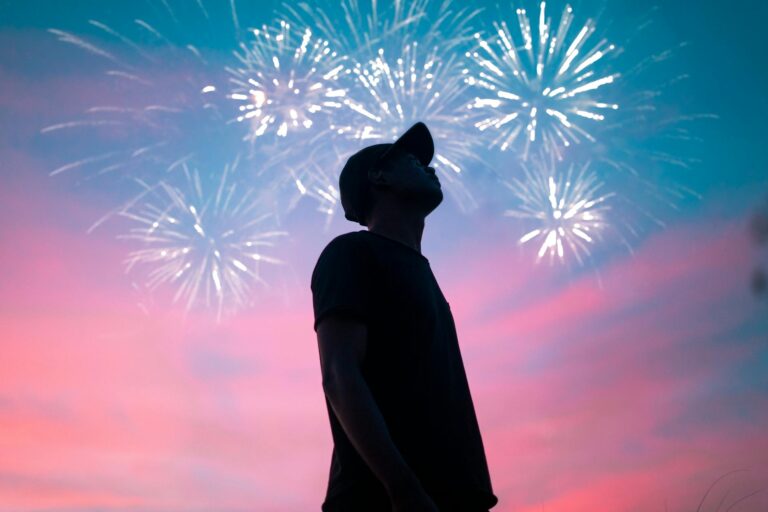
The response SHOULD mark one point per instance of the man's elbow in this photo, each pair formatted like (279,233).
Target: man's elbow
(340,379)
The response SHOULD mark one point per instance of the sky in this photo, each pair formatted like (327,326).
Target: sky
(631,382)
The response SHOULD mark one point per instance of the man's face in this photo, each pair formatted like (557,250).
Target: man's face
(407,177)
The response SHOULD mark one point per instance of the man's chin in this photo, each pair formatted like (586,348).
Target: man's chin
(433,199)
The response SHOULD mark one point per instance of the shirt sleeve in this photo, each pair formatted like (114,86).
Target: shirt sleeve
(341,280)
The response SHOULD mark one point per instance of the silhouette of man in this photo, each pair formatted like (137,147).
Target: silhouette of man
(405,434)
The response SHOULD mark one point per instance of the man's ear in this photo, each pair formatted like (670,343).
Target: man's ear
(377,176)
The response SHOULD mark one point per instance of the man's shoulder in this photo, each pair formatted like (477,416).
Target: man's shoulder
(350,238)
(353,241)
(346,249)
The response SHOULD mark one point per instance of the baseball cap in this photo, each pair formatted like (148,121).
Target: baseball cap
(353,181)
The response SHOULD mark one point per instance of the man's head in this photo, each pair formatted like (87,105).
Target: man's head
(396,172)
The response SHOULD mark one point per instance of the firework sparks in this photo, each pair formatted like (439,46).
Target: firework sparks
(208,241)
(287,81)
(313,174)
(539,92)
(362,27)
(569,209)
(318,180)
(650,143)
(418,86)
(322,187)
(157,119)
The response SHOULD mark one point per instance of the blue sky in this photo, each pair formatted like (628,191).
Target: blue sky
(637,378)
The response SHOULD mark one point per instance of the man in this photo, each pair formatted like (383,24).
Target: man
(405,434)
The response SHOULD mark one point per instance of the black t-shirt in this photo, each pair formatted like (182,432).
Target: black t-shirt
(413,367)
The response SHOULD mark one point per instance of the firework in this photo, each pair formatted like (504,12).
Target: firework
(206,240)
(568,208)
(543,88)
(392,94)
(162,110)
(159,111)
(288,82)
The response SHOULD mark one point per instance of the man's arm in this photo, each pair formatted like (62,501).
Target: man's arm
(342,343)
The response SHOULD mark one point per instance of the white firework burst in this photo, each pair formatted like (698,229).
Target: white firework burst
(541,88)
(393,94)
(208,241)
(569,209)
(288,80)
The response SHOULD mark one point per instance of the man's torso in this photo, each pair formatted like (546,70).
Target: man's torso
(414,369)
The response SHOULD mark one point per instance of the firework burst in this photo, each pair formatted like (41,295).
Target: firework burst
(288,83)
(569,209)
(207,240)
(542,88)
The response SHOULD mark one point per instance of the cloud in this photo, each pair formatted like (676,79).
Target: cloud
(590,393)
(599,377)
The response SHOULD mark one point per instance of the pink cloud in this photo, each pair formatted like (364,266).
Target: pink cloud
(589,377)
(585,394)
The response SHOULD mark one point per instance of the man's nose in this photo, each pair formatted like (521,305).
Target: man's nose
(430,170)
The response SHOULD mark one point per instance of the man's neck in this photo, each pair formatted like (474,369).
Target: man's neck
(397,226)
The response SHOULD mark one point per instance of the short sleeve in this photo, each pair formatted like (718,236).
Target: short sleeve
(342,279)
